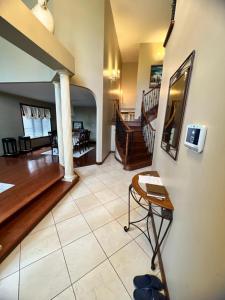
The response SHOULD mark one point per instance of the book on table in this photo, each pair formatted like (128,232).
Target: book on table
(157,191)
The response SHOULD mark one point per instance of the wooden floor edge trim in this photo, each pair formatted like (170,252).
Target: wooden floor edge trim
(161,267)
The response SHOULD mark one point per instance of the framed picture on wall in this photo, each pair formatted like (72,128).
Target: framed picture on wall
(155,75)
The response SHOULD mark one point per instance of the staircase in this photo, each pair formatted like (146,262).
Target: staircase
(135,140)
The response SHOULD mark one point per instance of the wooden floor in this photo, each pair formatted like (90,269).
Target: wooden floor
(31,174)
(38,188)
(87,159)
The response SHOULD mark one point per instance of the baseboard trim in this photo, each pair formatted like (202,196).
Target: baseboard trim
(160,262)
(102,162)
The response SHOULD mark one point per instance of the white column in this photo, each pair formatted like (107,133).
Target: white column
(66,125)
(59,121)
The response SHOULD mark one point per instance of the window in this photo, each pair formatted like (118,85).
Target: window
(36,121)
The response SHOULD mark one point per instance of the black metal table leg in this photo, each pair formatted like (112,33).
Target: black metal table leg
(158,244)
(126,228)
(165,215)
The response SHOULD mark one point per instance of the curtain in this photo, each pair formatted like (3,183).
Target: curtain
(47,114)
(32,112)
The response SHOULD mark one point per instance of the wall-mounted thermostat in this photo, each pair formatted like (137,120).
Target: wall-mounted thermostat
(195,137)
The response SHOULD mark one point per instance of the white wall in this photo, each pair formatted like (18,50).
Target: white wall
(18,66)
(79,25)
(129,85)
(193,254)
(149,54)
(112,61)
(87,30)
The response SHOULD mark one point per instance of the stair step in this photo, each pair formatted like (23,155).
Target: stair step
(135,123)
(13,230)
(25,192)
(138,165)
(136,159)
(139,147)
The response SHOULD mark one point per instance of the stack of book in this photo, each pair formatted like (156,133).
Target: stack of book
(154,186)
(157,191)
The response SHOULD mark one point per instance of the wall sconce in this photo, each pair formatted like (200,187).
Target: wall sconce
(115,74)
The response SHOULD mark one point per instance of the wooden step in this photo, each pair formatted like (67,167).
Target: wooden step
(138,165)
(31,178)
(139,156)
(14,229)
(139,148)
(135,123)
(138,153)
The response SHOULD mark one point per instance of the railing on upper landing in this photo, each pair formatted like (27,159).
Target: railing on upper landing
(149,109)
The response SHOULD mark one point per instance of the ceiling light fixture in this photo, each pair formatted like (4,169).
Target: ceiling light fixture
(115,75)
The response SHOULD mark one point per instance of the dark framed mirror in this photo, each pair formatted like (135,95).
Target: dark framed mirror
(176,102)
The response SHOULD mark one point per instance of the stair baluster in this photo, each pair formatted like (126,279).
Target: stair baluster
(150,101)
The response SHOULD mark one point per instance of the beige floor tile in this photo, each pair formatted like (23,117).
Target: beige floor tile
(145,245)
(97,217)
(141,211)
(100,284)
(95,187)
(110,182)
(82,256)
(104,177)
(133,204)
(67,198)
(45,278)
(88,202)
(9,287)
(66,295)
(129,262)
(11,264)
(134,216)
(46,222)
(116,208)
(65,211)
(90,180)
(80,190)
(106,195)
(72,229)
(112,237)
(39,244)
(116,174)
(120,189)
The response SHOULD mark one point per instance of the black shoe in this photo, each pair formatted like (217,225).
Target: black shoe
(148,281)
(148,294)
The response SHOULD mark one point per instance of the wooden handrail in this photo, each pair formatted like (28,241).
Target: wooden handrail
(155,87)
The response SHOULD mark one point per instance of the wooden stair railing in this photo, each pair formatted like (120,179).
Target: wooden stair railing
(150,100)
(135,142)
(124,137)
(149,109)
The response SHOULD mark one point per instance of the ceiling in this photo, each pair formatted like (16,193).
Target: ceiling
(44,91)
(140,21)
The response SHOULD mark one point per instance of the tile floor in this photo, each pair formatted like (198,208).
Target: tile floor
(80,250)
